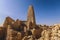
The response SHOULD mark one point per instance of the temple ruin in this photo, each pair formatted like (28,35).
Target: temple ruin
(29,29)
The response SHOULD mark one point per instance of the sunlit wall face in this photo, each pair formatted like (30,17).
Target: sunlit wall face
(46,11)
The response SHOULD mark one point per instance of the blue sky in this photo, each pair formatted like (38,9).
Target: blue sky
(46,11)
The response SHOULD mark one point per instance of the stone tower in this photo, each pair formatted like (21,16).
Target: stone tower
(31,17)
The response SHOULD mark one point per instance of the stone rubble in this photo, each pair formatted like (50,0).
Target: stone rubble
(28,30)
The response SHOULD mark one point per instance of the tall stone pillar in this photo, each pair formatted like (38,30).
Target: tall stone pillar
(31,17)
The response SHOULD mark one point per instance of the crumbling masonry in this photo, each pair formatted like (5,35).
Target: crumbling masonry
(28,30)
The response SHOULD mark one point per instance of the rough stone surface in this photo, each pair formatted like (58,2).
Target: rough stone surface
(28,30)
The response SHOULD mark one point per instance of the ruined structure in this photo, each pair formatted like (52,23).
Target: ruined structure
(28,30)
(18,30)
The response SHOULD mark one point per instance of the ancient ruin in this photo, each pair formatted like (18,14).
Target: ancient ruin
(28,30)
